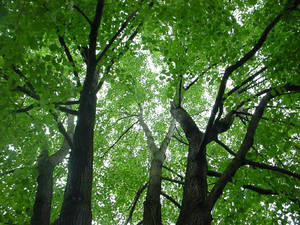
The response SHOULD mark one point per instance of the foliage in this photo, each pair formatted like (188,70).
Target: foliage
(188,41)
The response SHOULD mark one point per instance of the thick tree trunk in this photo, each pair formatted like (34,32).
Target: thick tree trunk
(193,210)
(76,208)
(43,197)
(152,206)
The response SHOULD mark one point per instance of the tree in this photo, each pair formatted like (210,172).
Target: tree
(227,73)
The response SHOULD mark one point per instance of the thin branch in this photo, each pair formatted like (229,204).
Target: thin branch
(119,138)
(112,61)
(170,199)
(19,72)
(268,192)
(252,85)
(245,82)
(26,109)
(225,147)
(260,190)
(62,130)
(11,171)
(68,110)
(83,14)
(197,78)
(172,180)
(136,198)
(75,102)
(272,168)
(180,140)
(70,58)
(172,171)
(123,26)
(213,173)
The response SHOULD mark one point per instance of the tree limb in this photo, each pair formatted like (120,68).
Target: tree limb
(272,168)
(148,133)
(83,14)
(136,198)
(237,162)
(123,26)
(171,199)
(172,180)
(172,171)
(119,138)
(112,61)
(57,157)
(245,82)
(70,58)
(63,131)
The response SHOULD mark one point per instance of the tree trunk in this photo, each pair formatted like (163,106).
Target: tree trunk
(43,197)
(193,210)
(152,206)
(76,208)
(45,168)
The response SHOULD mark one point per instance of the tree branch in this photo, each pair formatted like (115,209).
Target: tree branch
(172,171)
(83,14)
(272,168)
(172,180)
(197,78)
(95,27)
(112,61)
(148,133)
(123,26)
(237,162)
(267,192)
(57,157)
(180,140)
(136,198)
(225,147)
(171,199)
(167,139)
(63,131)
(245,82)
(119,138)
(70,58)
(68,110)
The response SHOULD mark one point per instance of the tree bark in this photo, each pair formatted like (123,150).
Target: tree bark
(152,206)
(193,210)
(76,207)
(43,197)
(46,164)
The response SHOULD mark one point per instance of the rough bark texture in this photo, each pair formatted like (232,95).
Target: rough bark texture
(43,197)
(193,209)
(76,208)
(46,164)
